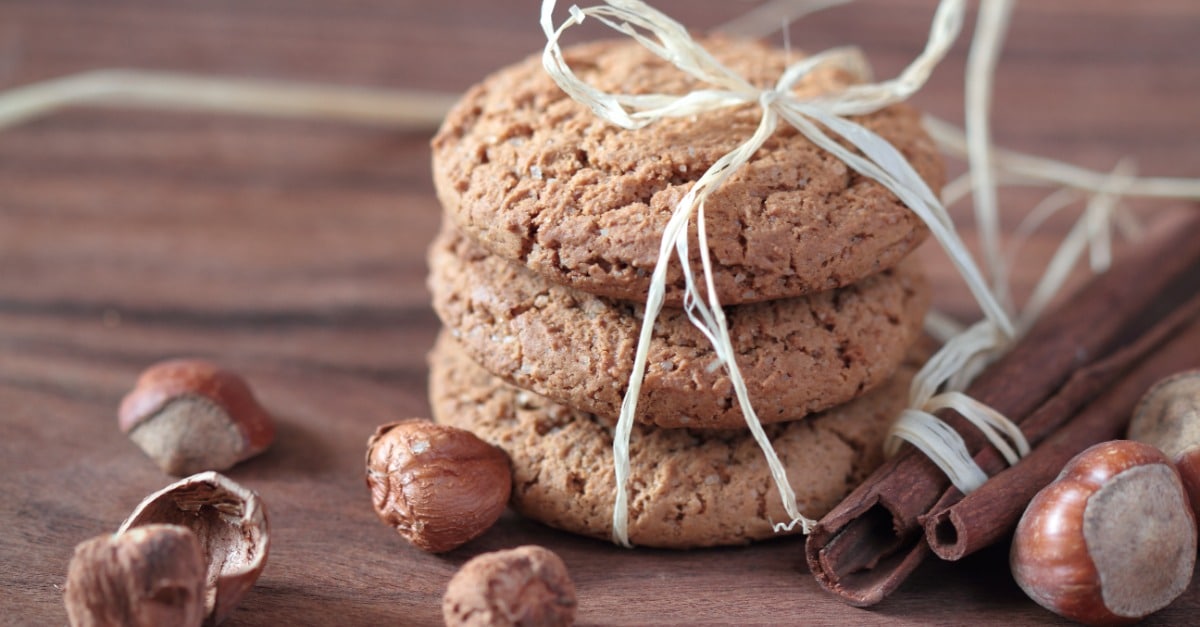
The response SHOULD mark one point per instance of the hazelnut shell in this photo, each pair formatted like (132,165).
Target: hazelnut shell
(528,585)
(1054,561)
(150,576)
(230,523)
(1168,417)
(185,394)
(438,486)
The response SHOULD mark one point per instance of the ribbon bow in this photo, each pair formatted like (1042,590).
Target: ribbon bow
(878,160)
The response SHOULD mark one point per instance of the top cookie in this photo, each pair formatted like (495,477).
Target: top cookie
(537,177)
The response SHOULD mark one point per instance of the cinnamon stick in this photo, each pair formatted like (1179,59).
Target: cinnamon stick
(866,546)
(959,526)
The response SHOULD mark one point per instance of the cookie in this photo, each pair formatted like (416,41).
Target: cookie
(539,179)
(797,356)
(690,488)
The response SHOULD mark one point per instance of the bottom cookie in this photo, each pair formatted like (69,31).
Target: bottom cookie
(689,488)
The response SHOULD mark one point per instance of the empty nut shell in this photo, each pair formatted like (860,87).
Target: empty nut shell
(230,523)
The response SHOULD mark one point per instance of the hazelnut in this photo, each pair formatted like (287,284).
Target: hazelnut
(229,522)
(1168,417)
(1111,540)
(189,415)
(149,576)
(439,486)
(528,585)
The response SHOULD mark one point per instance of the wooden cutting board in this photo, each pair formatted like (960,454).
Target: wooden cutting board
(293,252)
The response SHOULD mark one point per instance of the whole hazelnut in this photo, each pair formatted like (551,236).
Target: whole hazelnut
(230,523)
(528,585)
(146,577)
(1111,540)
(439,486)
(189,416)
(1168,417)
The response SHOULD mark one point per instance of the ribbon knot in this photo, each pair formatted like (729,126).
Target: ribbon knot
(768,97)
(875,158)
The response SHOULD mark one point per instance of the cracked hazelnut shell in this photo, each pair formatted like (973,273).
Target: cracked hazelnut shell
(230,523)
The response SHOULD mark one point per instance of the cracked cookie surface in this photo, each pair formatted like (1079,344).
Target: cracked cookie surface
(797,356)
(689,488)
(539,179)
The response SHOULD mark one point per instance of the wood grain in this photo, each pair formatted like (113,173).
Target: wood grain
(293,252)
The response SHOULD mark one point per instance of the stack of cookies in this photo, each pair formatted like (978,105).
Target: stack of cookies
(552,225)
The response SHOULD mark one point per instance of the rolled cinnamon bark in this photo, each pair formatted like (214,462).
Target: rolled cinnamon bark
(865,547)
(959,525)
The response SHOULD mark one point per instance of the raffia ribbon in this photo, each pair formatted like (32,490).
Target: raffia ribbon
(813,117)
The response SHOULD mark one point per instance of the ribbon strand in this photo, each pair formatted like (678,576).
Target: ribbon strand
(878,160)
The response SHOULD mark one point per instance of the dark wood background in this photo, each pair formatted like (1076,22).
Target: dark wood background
(293,253)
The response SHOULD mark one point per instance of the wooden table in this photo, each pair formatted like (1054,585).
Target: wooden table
(293,253)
